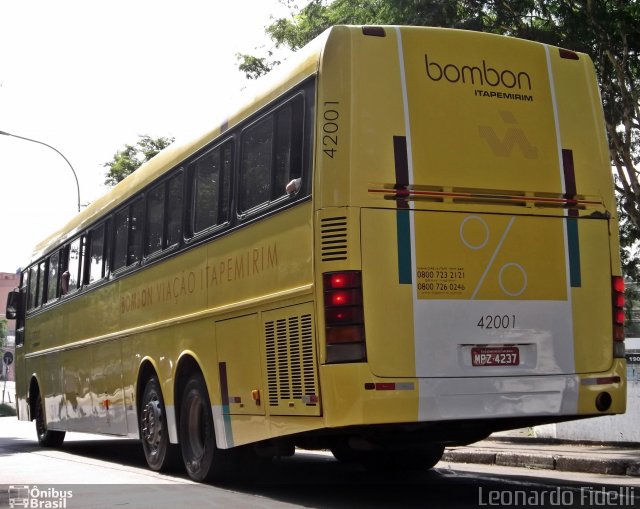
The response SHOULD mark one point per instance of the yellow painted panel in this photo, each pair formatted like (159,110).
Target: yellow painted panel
(348,402)
(617,391)
(248,429)
(481,111)
(78,397)
(581,124)
(593,323)
(49,371)
(106,388)
(332,163)
(378,111)
(388,304)
(490,257)
(238,346)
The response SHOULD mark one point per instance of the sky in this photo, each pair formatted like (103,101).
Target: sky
(89,77)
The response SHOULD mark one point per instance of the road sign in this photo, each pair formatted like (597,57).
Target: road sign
(7,358)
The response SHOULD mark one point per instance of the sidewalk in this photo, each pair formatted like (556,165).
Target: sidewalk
(550,454)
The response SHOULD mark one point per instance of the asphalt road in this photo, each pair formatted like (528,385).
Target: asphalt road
(97,472)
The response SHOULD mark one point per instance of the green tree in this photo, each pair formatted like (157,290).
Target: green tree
(131,157)
(253,67)
(607,30)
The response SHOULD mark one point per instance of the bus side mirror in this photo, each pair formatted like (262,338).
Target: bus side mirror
(14,305)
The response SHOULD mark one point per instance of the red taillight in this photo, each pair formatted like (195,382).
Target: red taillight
(344,316)
(617,292)
(337,280)
(342,298)
(618,284)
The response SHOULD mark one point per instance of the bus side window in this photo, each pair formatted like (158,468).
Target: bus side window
(272,156)
(32,288)
(42,278)
(134,248)
(212,187)
(255,170)
(174,210)
(96,261)
(164,215)
(129,224)
(53,276)
(155,220)
(121,238)
(288,156)
(74,266)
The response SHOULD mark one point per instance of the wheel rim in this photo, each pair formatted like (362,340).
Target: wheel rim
(152,424)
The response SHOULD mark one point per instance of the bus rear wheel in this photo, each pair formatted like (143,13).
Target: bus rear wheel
(197,436)
(46,437)
(158,451)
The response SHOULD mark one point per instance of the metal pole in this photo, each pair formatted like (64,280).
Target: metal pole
(52,148)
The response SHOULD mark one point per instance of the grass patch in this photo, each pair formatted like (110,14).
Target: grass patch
(7,410)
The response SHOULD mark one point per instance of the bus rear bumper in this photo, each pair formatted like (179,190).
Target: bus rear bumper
(353,396)
(445,399)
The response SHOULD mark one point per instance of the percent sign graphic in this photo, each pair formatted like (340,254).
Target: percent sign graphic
(481,243)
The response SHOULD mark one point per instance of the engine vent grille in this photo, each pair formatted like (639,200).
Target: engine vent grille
(333,238)
(292,384)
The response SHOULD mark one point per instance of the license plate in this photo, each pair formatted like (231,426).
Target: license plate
(495,356)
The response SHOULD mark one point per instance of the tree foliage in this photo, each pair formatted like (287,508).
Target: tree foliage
(253,67)
(131,157)
(607,30)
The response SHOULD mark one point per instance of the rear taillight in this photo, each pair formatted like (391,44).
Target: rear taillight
(617,292)
(344,317)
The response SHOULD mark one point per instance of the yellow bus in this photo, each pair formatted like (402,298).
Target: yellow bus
(405,239)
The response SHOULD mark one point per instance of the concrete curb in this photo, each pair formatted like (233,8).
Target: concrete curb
(544,461)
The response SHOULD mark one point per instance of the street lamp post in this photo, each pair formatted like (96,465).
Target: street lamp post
(52,148)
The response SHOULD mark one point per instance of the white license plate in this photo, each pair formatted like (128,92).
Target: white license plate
(495,356)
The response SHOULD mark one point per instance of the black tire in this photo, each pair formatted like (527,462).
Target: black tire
(46,437)
(202,459)
(154,433)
